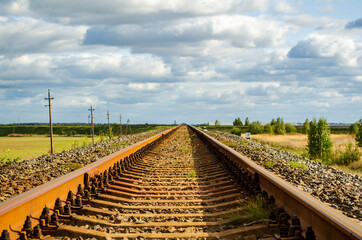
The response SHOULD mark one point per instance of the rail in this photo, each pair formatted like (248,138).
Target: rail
(327,222)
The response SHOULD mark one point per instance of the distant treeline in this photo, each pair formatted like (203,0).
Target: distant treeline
(334,129)
(70,130)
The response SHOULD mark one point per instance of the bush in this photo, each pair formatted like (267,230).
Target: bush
(247,122)
(279,127)
(256,128)
(359,134)
(289,128)
(236,131)
(319,139)
(305,128)
(353,129)
(268,128)
(238,122)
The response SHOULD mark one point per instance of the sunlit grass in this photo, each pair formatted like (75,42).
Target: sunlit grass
(35,146)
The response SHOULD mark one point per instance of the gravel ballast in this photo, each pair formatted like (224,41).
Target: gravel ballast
(338,189)
(20,177)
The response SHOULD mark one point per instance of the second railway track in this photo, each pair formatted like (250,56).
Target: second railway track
(183,187)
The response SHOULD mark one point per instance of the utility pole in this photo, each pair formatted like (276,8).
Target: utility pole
(88,118)
(120,125)
(128,126)
(109,126)
(92,126)
(50,121)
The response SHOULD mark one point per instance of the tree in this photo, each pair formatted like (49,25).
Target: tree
(279,127)
(305,128)
(319,139)
(268,128)
(273,122)
(353,129)
(289,128)
(256,127)
(247,123)
(359,134)
(217,123)
(238,122)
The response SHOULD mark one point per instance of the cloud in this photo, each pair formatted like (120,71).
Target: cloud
(29,35)
(127,12)
(354,24)
(326,46)
(241,31)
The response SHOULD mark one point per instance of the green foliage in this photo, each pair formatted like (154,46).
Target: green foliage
(319,139)
(247,123)
(269,163)
(273,122)
(237,122)
(297,164)
(73,166)
(256,128)
(268,129)
(229,143)
(289,128)
(359,134)
(7,160)
(350,155)
(305,128)
(353,129)
(183,149)
(217,123)
(236,131)
(191,174)
(255,210)
(279,126)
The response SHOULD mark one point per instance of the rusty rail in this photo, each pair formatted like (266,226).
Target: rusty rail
(327,222)
(14,211)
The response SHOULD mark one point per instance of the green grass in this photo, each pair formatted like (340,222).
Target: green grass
(255,210)
(35,146)
(183,149)
(119,144)
(191,174)
(73,166)
(229,143)
(297,164)
(269,164)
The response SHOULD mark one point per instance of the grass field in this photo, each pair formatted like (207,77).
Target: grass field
(33,146)
(297,143)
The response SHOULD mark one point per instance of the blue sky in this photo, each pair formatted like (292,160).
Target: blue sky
(190,61)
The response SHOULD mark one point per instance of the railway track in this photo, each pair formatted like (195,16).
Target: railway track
(177,185)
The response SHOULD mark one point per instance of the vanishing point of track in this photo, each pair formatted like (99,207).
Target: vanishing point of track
(177,185)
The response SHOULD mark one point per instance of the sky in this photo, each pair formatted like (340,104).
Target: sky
(189,61)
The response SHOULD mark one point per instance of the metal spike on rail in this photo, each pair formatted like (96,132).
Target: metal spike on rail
(27,227)
(310,234)
(58,206)
(5,235)
(37,232)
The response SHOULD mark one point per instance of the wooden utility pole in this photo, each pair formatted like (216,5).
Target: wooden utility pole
(109,126)
(50,121)
(120,125)
(128,126)
(92,126)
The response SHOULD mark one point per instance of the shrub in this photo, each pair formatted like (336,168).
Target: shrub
(319,140)
(349,155)
(289,128)
(247,123)
(279,127)
(256,128)
(305,128)
(268,128)
(353,129)
(359,134)
(237,122)
(217,123)
(236,131)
